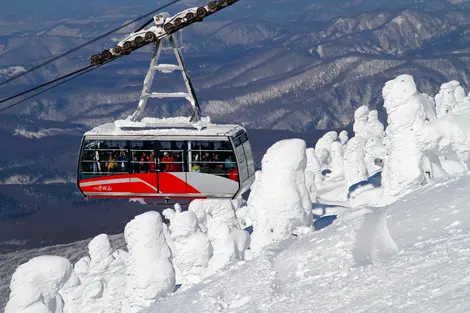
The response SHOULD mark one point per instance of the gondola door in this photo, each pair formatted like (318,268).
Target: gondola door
(171,175)
(142,160)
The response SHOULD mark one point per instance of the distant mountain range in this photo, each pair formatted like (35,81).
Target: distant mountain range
(294,65)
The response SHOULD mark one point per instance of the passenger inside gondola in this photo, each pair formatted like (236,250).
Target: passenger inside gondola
(111,164)
(151,162)
(144,166)
(196,167)
(219,170)
(168,162)
(178,165)
(121,160)
(206,168)
(135,165)
(233,174)
(228,163)
(206,157)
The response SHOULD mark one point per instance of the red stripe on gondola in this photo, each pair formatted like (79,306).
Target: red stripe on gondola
(171,184)
(137,183)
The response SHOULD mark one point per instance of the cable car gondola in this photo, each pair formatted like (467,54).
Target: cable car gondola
(165,160)
(157,159)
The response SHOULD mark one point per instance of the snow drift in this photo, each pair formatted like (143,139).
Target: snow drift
(411,256)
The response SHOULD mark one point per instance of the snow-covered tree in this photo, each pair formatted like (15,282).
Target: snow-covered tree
(322,147)
(229,242)
(429,106)
(459,93)
(402,166)
(447,136)
(355,166)
(314,165)
(465,103)
(221,210)
(35,285)
(283,203)
(360,121)
(100,252)
(192,248)
(223,244)
(102,279)
(375,134)
(337,155)
(150,273)
(311,186)
(197,207)
(445,99)
(343,137)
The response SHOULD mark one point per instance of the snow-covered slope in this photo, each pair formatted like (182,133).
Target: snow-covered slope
(341,267)
(421,264)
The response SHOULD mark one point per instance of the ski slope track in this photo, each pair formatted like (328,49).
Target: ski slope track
(412,256)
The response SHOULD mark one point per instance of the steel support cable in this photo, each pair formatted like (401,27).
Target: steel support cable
(88,42)
(83,72)
(46,83)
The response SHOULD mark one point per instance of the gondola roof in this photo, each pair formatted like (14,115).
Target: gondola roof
(175,126)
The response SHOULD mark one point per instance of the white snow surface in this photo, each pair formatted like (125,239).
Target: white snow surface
(162,126)
(412,256)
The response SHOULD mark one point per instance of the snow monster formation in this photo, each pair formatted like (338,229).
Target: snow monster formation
(283,204)
(374,130)
(192,248)
(446,100)
(35,285)
(406,114)
(322,147)
(360,121)
(150,273)
(447,136)
(354,166)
